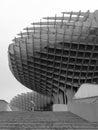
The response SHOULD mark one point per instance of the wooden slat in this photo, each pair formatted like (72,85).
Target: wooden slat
(65,18)
(76,13)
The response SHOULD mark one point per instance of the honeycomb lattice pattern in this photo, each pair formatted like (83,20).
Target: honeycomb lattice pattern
(57,53)
(31,101)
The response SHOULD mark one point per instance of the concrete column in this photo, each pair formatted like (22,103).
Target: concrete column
(60,98)
(64,98)
(70,94)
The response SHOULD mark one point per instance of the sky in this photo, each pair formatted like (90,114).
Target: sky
(18,14)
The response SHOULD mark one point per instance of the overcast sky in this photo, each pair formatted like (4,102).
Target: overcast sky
(18,14)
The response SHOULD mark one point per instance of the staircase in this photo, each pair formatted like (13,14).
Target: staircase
(44,121)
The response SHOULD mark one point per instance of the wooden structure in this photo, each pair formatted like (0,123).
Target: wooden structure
(58,54)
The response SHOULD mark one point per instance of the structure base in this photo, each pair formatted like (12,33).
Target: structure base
(60,107)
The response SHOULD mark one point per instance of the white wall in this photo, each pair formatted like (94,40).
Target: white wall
(87,90)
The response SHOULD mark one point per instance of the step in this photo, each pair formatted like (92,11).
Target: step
(44,121)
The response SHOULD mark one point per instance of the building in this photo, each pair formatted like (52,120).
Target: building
(57,55)
(31,101)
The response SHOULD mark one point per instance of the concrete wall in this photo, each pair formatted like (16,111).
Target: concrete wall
(60,107)
(88,111)
(4,106)
(87,90)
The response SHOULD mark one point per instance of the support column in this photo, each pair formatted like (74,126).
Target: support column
(60,103)
(61,100)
